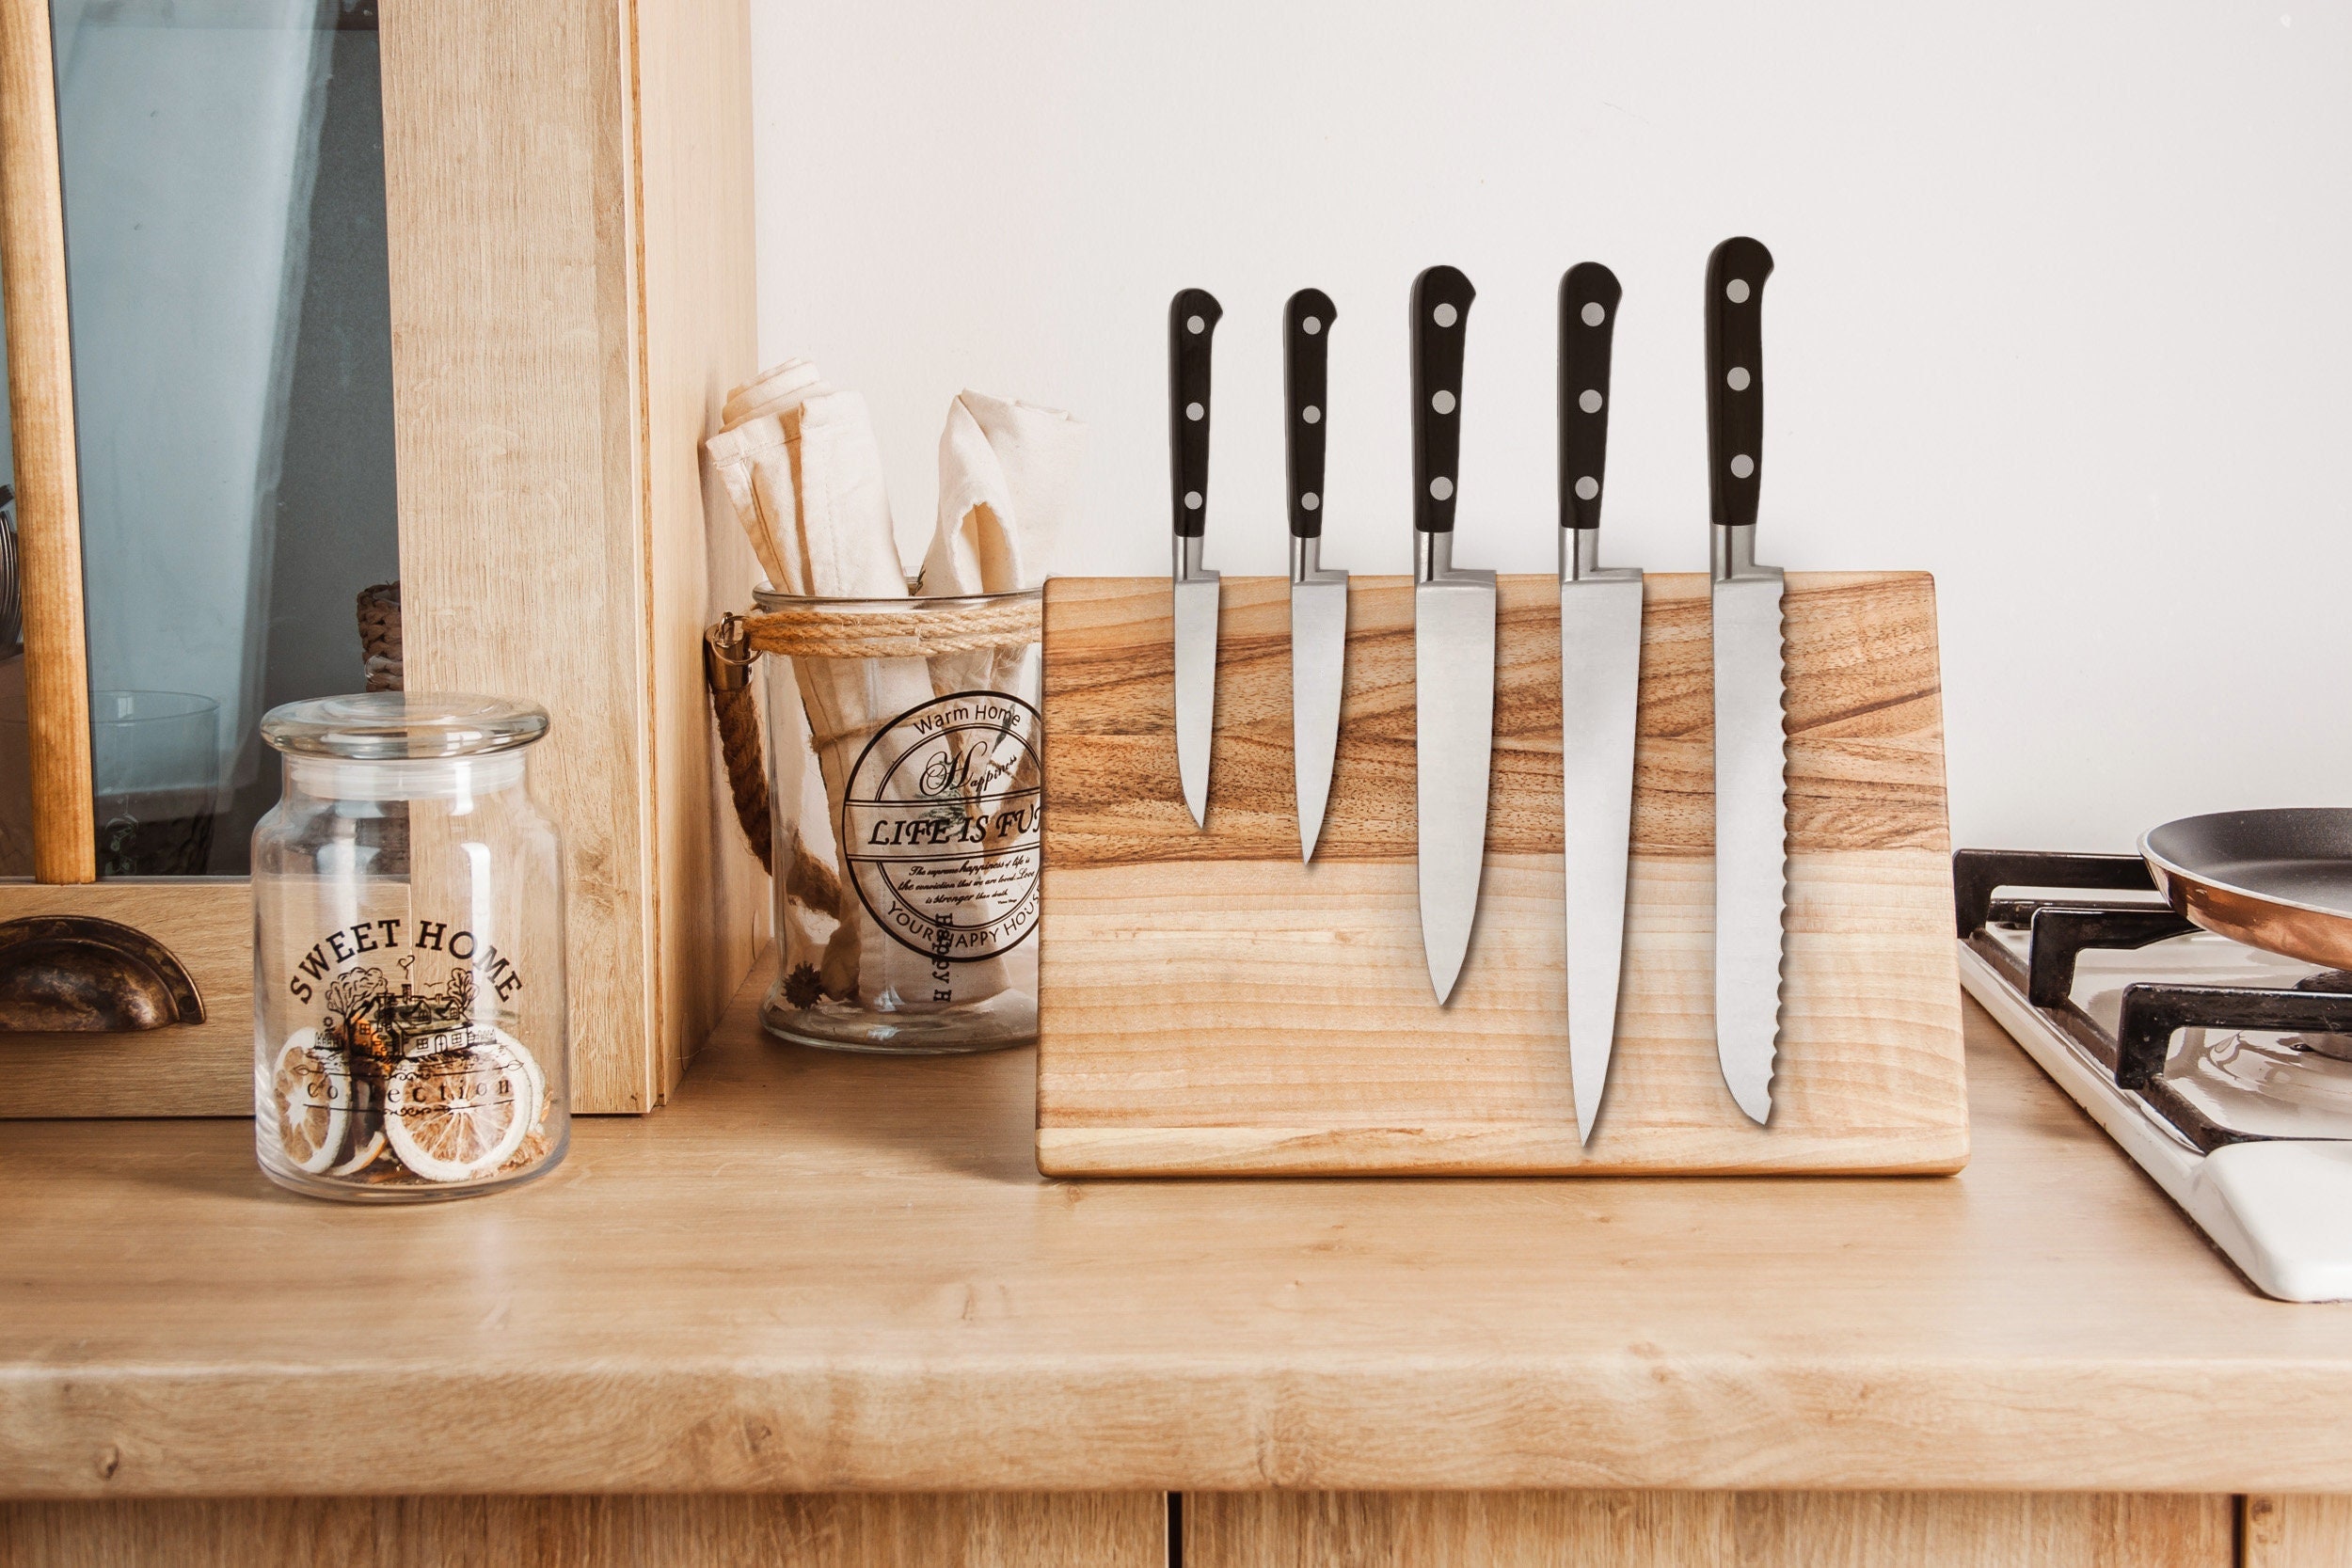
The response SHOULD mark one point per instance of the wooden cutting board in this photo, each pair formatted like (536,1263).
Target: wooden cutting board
(1209,1004)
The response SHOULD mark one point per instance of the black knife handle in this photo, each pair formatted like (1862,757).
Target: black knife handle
(1588,323)
(1306,382)
(1192,316)
(1441,302)
(1736,272)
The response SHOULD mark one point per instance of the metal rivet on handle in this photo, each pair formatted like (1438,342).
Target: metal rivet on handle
(1445,315)
(1311,326)
(1194,324)
(1442,403)
(1737,378)
(1193,411)
(1441,487)
(1310,500)
(1312,414)
(1587,487)
(1594,313)
(1588,401)
(1737,291)
(1192,500)
(1742,465)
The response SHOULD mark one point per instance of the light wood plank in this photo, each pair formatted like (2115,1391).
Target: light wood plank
(835,1530)
(524,562)
(2296,1531)
(1700,1529)
(1461,1530)
(203,1070)
(1209,1005)
(1959,1529)
(698,338)
(813,1273)
(47,480)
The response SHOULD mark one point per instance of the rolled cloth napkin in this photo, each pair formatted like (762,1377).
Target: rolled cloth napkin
(1007,481)
(804,456)
(801,465)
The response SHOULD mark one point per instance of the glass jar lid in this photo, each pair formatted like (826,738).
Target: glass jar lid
(398,726)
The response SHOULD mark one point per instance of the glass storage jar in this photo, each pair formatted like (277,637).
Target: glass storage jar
(906,793)
(409,1027)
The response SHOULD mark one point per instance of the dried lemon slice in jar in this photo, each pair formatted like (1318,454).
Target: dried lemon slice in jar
(313,1094)
(460,1113)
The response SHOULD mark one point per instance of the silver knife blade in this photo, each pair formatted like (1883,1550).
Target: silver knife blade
(1453,718)
(1751,699)
(1751,829)
(1196,681)
(1318,668)
(1192,318)
(1600,680)
(1600,684)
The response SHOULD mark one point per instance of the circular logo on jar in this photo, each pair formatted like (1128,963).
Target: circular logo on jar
(941,825)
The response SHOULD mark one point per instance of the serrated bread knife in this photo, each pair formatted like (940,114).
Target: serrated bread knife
(1318,593)
(1751,739)
(1600,681)
(1192,318)
(1453,641)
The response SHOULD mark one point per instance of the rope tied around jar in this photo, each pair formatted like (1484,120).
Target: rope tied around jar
(839,630)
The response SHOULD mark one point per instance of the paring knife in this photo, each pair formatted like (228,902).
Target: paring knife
(1318,593)
(1600,681)
(1192,318)
(1454,640)
(1751,739)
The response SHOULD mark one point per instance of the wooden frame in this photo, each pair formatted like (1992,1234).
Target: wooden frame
(568,203)
(48,482)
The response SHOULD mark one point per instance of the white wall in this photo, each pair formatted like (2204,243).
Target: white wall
(2062,312)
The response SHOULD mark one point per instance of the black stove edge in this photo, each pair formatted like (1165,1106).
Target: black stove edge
(2157,1096)
(1977,872)
(2060,930)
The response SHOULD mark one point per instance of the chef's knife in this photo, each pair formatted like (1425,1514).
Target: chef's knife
(1318,593)
(1454,640)
(1600,680)
(1192,318)
(1751,742)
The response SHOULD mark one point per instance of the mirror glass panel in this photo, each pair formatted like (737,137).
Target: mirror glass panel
(222,167)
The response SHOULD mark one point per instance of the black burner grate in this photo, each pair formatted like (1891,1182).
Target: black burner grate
(2062,928)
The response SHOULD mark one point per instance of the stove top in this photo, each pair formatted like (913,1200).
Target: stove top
(2224,1071)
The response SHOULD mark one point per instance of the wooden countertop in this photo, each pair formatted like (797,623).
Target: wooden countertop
(827,1272)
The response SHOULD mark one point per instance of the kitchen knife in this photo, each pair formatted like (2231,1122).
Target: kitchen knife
(1192,318)
(1453,641)
(1600,680)
(1318,593)
(1751,741)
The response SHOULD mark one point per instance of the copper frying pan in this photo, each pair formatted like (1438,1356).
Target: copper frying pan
(2277,880)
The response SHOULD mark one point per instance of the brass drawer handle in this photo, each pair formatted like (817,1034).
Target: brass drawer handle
(76,974)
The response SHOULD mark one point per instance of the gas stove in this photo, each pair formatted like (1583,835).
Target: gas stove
(2223,1071)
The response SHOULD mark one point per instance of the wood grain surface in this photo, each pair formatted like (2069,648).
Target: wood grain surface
(819,1272)
(823,1530)
(2296,1531)
(200,1070)
(1209,1004)
(1720,1529)
(698,338)
(513,327)
(47,480)
(1866,747)
(568,195)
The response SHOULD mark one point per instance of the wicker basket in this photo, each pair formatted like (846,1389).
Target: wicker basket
(379,635)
